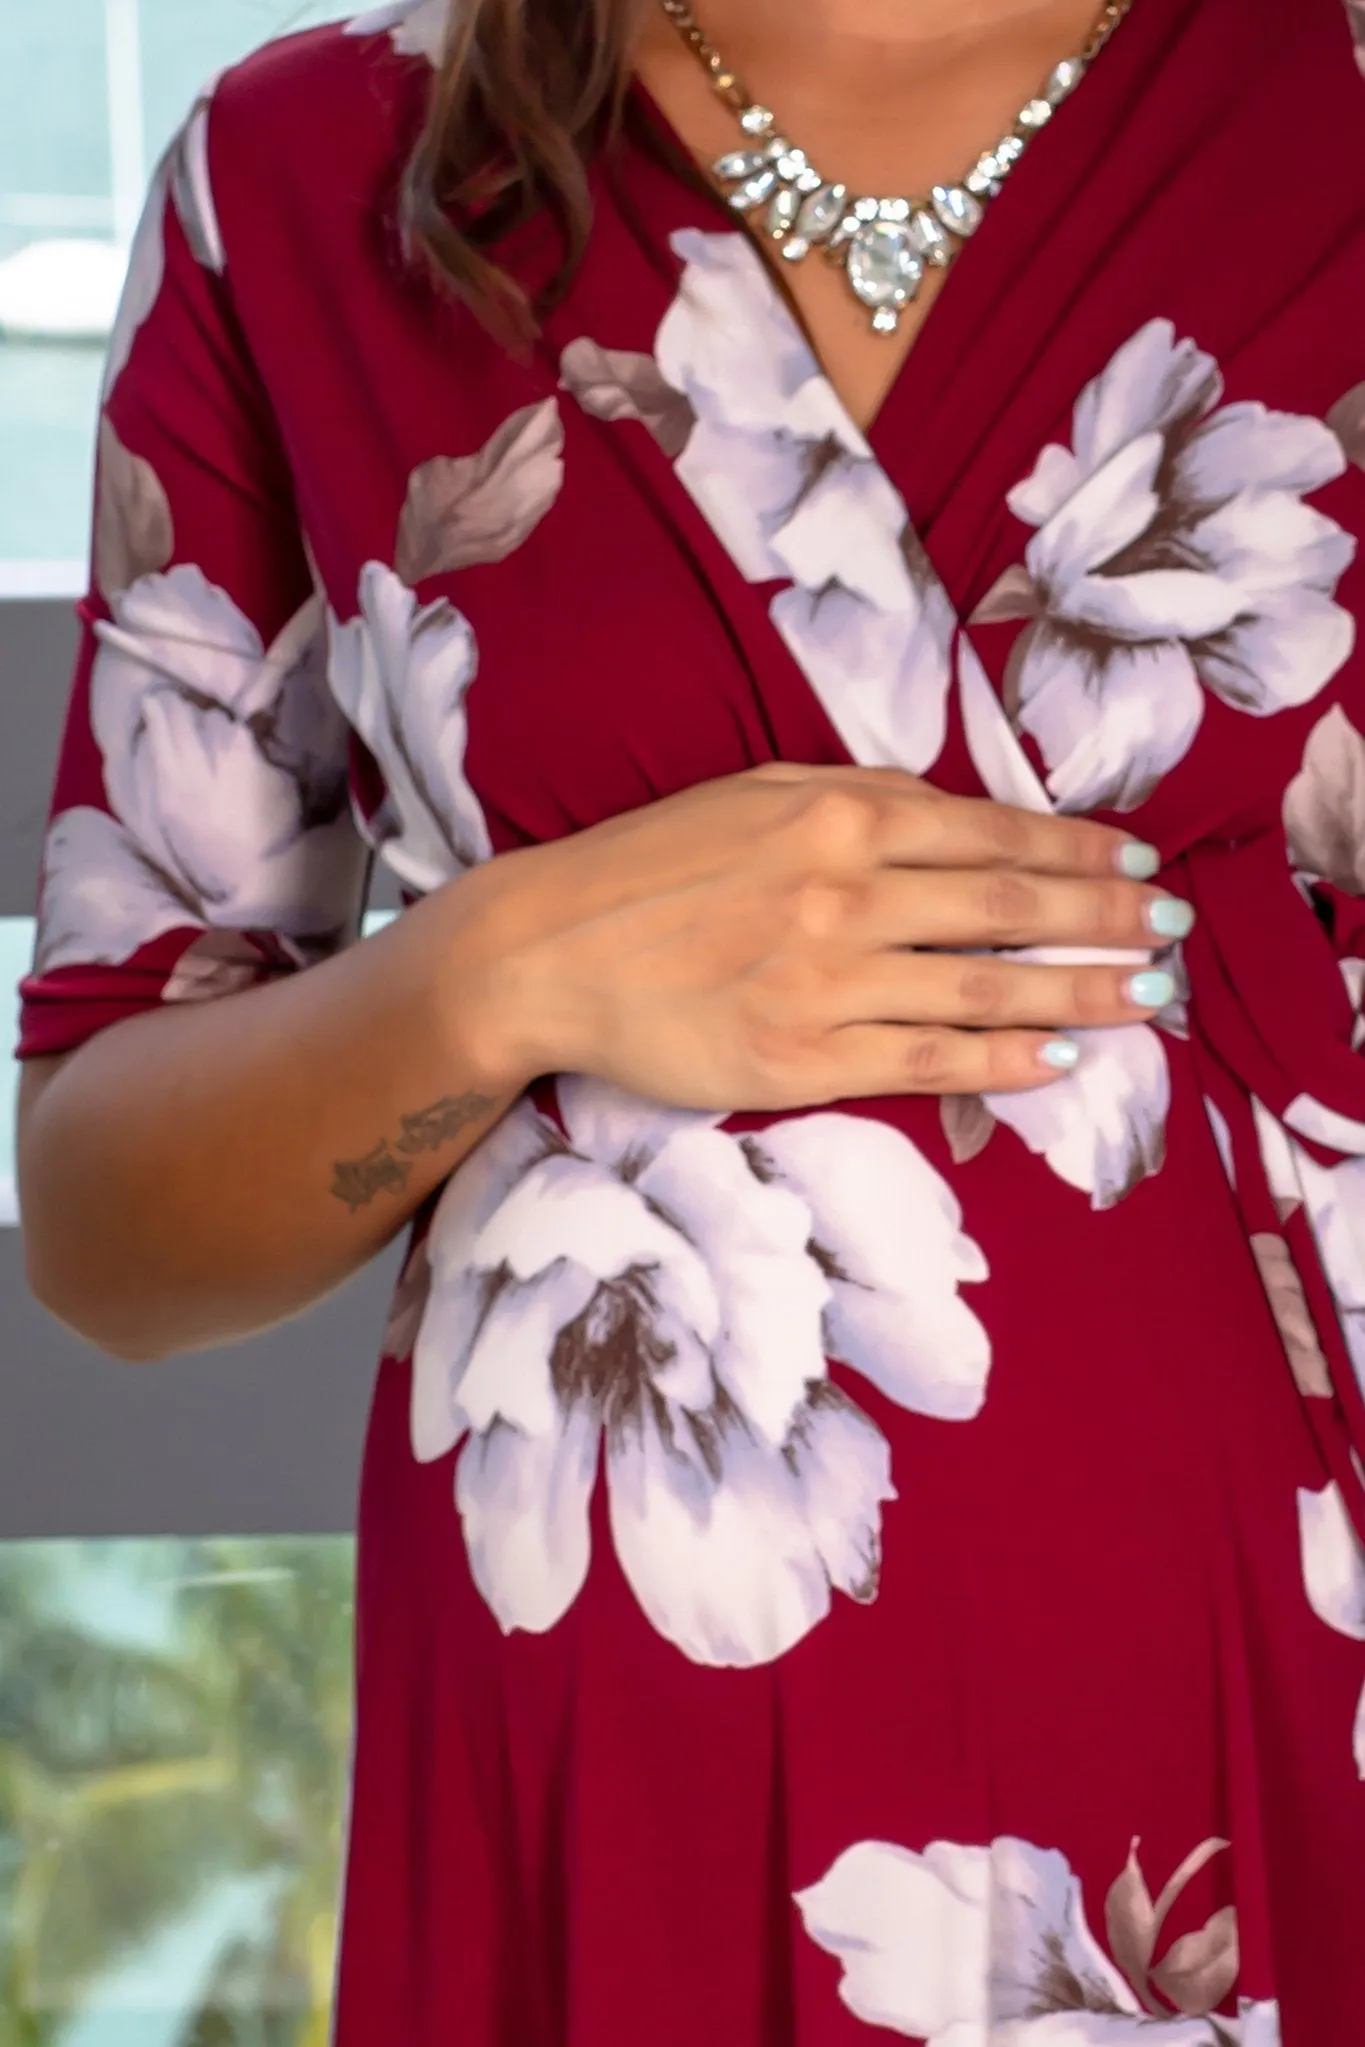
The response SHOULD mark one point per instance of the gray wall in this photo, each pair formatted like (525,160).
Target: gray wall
(261,1438)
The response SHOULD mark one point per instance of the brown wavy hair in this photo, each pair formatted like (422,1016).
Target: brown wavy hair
(527,91)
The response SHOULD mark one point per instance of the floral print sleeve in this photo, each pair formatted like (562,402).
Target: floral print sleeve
(201,833)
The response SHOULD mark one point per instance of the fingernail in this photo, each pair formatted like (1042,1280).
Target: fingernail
(1060,1053)
(1151,990)
(1170,917)
(1138,860)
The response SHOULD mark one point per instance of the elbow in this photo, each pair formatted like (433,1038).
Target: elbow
(65,1271)
(69,1278)
(74,1307)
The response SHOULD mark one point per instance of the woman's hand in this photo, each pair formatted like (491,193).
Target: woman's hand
(793,936)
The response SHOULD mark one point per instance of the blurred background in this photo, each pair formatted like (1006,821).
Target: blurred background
(175,1541)
(90,92)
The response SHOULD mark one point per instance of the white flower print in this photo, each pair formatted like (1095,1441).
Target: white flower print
(1347,416)
(1324,805)
(462,509)
(401,672)
(648,1284)
(1334,1578)
(619,383)
(224,770)
(416,28)
(1355,12)
(794,493)
(1222,1137)
(989,1947)
(1324,821)
(1334,1199)
(1173,553)
(1102,1127)
(1293,1317)
(181,174)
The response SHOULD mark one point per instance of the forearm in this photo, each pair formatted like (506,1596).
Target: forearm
(196,1174)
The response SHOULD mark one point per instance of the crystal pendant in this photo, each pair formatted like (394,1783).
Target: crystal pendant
(1064,79)
(883,269)
(822,212)
(1036,114)
(754,190)
(928,239)
(740,163)
(782,213)
(961,212)
(756,120)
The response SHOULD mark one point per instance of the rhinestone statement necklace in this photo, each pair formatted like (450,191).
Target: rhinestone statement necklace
(883,245)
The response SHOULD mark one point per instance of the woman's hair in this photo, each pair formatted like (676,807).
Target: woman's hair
(526,91)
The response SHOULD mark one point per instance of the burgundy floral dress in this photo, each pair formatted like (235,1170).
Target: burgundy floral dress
(895,1567)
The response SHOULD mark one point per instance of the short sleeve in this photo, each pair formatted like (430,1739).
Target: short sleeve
(200,834)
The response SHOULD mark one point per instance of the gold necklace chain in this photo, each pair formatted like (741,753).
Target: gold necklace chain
(884,245)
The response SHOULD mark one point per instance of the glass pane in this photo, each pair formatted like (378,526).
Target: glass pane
(174,1740)
(16,951)
(90,91)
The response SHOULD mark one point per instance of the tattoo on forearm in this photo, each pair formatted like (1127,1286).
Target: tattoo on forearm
(356,1181)
(386,1168)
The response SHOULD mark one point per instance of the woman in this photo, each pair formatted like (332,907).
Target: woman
(862,1517)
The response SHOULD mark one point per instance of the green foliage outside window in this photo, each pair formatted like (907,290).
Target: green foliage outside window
(174,1741)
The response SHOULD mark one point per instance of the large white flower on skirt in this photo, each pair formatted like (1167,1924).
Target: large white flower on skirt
(225,772)
(646,1282)
(401,672)
(794,492)
(1101,1127)
(1173,553)
(989,1947)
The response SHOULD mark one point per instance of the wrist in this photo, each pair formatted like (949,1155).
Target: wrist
(493,1009)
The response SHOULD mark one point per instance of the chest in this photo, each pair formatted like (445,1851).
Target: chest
(663,550)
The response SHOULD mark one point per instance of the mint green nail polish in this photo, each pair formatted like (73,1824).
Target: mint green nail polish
(1060,1053)
(1138,861)
(1170,917)
(1151,990)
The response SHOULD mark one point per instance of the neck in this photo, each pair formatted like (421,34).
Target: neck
(859,36)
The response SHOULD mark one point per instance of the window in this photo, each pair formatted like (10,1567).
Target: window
(174,1735)
(174,1706)
(90,91)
